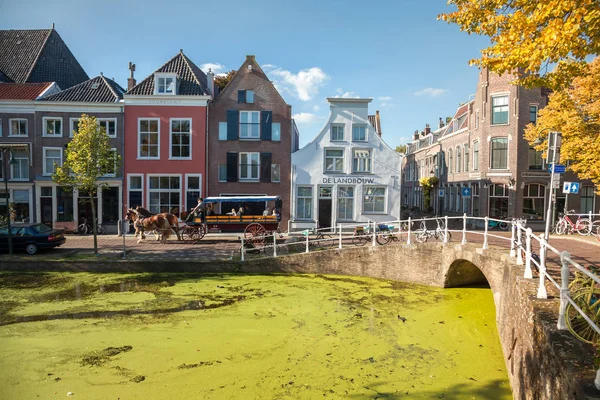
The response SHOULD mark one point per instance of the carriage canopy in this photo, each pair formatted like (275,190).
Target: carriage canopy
(241,199)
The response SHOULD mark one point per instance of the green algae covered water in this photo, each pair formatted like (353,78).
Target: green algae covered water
(177,336)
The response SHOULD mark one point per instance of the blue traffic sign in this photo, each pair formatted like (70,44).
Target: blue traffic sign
(558,168)
(571,187)
(466,192)
(441,193)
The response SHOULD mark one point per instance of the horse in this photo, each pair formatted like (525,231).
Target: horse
(153,223)
(173,220)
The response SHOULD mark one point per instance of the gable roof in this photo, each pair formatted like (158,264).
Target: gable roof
(22,91)
(96,90)
(191,81)
(38,55)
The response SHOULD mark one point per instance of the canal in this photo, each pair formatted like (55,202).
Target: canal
(182,336)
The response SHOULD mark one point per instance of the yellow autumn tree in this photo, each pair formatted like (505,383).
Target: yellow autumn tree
(575,112)
(545,42)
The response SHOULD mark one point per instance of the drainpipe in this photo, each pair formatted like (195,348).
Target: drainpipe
(205,194)
(291,198)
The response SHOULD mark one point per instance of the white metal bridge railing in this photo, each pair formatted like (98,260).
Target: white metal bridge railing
(521,243)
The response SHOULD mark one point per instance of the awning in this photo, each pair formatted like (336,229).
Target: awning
(14,146)
(240,199)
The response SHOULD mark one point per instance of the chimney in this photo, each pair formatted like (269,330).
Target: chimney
(416,135)
(441,123)
(377,123)
(427,129)
(131,80)
(210,82)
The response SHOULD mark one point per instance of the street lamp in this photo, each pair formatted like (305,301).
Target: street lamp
(5,174)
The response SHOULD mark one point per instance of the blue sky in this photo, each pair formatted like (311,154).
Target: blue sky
(414,67)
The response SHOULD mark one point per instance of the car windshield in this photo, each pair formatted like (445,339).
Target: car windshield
(40,228)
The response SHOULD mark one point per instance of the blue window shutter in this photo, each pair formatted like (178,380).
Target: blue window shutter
(233,124)
(265,167)
(266,118)
(232,167)
(241,96)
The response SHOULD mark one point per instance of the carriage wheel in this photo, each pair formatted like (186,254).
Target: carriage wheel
(189,234)
(200,232)
(255,233)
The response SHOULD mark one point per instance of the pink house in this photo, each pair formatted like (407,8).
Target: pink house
(165,137)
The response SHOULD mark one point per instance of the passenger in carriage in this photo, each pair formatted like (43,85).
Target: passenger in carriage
(232,212)
(267,212)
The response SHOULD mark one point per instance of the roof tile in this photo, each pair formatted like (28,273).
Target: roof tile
(96,90)
(22,91)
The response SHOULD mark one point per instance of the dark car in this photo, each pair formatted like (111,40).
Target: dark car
(31,237)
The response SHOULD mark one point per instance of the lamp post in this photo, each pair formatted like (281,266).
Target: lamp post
(5,175)
(553,145)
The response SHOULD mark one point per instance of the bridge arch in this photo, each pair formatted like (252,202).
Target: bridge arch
(463,272)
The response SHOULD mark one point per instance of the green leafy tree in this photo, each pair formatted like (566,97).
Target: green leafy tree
(88,158)
(401,149)
(222,80)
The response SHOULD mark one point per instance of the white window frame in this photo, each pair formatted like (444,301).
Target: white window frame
(492,153)
(27,165)
(73,124)
(199,176)
(251,101)
(458,166)
(339,197)
(157,83)
(385,195)
(363,126)
(114,150)
(369,161)
(219,173)
(246,179)
(149,191)
(343,158)
(139,147)
(44,149)
(336,126)
(466,156)
(476,119)
(251,124)
(497,95)
(278,167)
(171,157)
(312,205)
(537,110)
(10,129)
(476,155)
(105,121)
(129,189)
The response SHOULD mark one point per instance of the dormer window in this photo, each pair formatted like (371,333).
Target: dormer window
(165,84)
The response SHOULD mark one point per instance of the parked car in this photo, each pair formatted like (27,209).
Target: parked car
(31,237)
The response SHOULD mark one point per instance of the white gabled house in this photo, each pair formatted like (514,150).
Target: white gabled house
(347,173)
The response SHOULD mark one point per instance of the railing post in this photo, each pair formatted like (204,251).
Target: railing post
(485,233)
(597,380)
(464,238)
(445,229)
(528,272)
(564,289)
(243,249)
(409,226)
(307,238)
(513,229)
(374,234)
(274,244)
(519,244)
(542,293)
(340,230)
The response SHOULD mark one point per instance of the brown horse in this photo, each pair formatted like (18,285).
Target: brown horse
(153,223)
(173,220)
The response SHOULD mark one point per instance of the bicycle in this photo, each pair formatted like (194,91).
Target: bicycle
(423,234)
(498,224)
(84,228)
(583,226)
(361,236)
(317,240)
(586,295)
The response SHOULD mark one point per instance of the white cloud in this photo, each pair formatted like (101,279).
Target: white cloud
(316,108)
(384,98)
(430,92)
(346,95)
(304,85)
(216,68)
(385,101)
(269,66)
(306,118)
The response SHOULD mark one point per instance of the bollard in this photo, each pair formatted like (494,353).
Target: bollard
(275,244)
(445,229)
(485,233)
(542,293)
(513,228)
(519,244)
(306,250)
(408,237)
(242,249)
(374,234)
(464,239)
(564,290)
(340,230)
(528,273)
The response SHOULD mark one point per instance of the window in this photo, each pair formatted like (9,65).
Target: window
(18,127)
(475,199)
(535,159)
(148,139)
(533,201)
(74,126)
(466,158)
(475,156)
(192,191)
(109,125)
(587,199)
(533,111)
(20,171)
(499,153)
(181,138)
(164,192)
(498,201)
(1,166)
(458,197)
(0,126)
(500,110)
(245,96)
(361,160)
(112,170)
(222,172)
(304,203)
(64,204)
(275,173)
(374,199)
(249,124)
(20,199)
(276,131)
(476,119)
(450,161)
(346,203)
(334,160)
(165,84)
(249,165)
(222,130)
(359,133)
(337,132)
(52,127)
(458,158)
(52,159)
(136,188)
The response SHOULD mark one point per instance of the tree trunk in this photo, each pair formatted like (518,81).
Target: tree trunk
(94,229)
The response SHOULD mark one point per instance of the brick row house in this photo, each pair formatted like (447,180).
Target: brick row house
(482,148)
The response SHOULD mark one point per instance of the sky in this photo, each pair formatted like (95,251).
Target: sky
(414,67)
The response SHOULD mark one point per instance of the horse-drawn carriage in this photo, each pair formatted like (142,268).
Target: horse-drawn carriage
(255,223)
